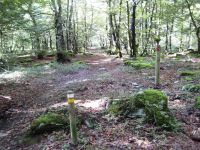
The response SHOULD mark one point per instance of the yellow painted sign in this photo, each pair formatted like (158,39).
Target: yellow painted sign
(70,100)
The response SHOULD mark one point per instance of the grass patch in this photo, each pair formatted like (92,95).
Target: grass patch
(139,63)
(39,70)
(68,68)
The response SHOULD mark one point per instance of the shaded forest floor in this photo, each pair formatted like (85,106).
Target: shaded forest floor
(102,78)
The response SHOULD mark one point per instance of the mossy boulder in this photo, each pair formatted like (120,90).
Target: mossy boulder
(49,122)
(153,103)
(192,88)
(187,73)
(197,103)
(121,107)
(150,97)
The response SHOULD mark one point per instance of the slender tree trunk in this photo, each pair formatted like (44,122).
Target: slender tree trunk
(198,38)
(133,31)
(128,22)
(170,37)
(166,37)
(110,25)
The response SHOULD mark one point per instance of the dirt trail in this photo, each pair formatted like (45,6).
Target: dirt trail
(103,78)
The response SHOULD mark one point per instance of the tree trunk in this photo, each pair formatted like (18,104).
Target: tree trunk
(133,52)
(198,38)
(60,43)
(110,26)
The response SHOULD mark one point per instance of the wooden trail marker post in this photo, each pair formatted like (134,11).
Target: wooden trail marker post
(72,117)
(157,66)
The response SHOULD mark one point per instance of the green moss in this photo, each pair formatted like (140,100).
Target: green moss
(120,107)
(192,88)
(188,78)
(151,96)
(197,103)
(187,73)
(152,102)
(48,123)
(138,64)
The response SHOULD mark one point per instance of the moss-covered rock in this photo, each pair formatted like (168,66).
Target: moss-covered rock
(152,102)
(151,96)
(192,88)
(49,122)
(121,107)
(187,73)
(197,103)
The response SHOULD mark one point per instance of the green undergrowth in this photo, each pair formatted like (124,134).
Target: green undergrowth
(49,122)
(195,54)
(188,78)
(68,68)
(197,103)
(150,104)
(187,73)
(112,51)
(191,88)
(139,63)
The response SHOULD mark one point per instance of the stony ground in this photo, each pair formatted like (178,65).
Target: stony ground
(103,78)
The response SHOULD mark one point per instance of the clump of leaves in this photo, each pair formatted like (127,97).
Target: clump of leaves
(139,64)
(192,88)
(197,103)
(152,103)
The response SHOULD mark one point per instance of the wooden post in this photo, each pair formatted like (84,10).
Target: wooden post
(72,117)
(157,66)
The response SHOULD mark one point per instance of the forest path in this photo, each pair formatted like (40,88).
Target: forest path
(104,77)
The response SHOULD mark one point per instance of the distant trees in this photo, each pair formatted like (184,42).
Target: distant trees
(32,26)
